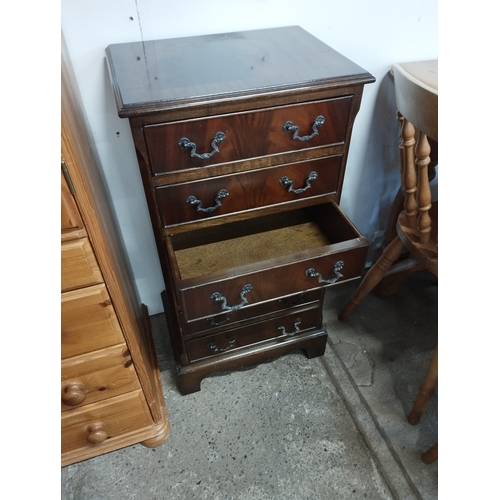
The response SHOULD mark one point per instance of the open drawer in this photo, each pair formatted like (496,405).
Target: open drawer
(231,265)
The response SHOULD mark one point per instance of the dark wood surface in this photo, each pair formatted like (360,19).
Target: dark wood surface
(159,74)
(223,321)
(273,277)
(310,319)
(245,85)
(248,190)
(241,129)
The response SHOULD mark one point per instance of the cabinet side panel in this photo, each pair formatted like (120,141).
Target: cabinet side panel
(97,212)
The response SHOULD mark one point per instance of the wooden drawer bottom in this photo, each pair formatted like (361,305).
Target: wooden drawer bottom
(94,425)
(295,322)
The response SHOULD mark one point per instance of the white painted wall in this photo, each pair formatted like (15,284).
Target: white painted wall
(373,33)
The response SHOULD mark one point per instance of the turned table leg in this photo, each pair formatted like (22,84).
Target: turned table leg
(389,285)
(426,390)
(373,276)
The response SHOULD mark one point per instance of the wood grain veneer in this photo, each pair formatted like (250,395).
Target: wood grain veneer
(242,141)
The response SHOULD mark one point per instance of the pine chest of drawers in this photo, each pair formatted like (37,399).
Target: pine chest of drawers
(242,141)
(111,392)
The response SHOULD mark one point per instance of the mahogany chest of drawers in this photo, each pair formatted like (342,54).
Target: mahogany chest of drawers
(242,141)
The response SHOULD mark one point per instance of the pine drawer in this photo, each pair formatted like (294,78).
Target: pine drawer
(97,376)
(88,321)
(95,425)
(79,266)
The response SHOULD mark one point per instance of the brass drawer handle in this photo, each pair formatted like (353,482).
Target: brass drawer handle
(290,126)
(213,345)
(192,200)
(218,297)
(285,181)
(185,143)
(296,325)
(336,268)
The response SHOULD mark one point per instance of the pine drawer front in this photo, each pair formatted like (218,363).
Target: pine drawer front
(97,376)
(260,259)
(298,321)
(227,320)
(88,321)
(223,195)
(79,267)
(95,425)
(228,138)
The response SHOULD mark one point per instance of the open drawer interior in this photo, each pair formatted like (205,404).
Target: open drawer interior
(245,242)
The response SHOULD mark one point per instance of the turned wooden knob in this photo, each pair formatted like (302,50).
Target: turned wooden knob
(73,394)
(97,434)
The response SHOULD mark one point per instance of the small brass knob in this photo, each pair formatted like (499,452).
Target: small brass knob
(97,434)
(73,394)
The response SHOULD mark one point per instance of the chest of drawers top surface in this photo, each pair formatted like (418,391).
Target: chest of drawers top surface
(159,75)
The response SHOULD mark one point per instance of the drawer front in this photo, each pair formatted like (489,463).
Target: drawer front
(97,376)
(273,281)
(223,195)
(245,262)
(175,146)
(88,321)
(79,266)
(71,219)
(93,425)
(224,321)
(281,327)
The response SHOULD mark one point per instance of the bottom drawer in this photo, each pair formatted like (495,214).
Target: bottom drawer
(295,322)
(95,424)
(230,320)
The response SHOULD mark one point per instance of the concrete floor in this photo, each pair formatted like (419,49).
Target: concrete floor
(326,428)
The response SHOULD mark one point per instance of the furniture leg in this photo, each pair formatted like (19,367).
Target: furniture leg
(430,455)
(426,390)
(373,276)
(390,284)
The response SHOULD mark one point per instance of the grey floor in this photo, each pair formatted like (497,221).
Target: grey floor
(332,427)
